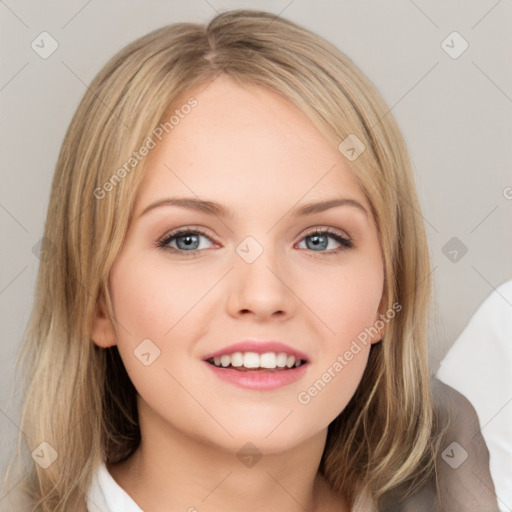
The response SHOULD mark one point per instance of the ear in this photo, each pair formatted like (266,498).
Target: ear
(378,337)
(103,332)
(380,324)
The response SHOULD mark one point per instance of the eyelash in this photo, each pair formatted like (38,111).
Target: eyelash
(346,243)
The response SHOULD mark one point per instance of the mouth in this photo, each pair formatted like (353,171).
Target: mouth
(258,365)
(253,362)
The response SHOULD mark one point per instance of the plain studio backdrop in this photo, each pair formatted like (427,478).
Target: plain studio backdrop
(442,67)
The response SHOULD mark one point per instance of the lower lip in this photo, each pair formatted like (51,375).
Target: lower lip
(259,380)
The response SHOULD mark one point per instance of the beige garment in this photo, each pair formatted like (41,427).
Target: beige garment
(463,475)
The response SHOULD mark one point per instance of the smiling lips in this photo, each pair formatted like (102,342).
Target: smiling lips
(258,365)
(257,356)
(252,361)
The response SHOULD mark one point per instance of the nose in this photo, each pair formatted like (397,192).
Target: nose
(262,289)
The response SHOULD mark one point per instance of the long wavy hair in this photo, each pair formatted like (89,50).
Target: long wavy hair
(78,397)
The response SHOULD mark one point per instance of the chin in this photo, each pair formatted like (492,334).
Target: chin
(268,436)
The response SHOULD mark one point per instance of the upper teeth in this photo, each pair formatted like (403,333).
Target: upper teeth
(254,360)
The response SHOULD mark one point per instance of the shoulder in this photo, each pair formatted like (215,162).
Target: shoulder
(462,479)
(453,408)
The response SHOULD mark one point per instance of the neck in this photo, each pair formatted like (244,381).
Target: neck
(171,471)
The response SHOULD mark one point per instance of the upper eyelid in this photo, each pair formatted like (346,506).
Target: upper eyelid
(337,231)
(180,231)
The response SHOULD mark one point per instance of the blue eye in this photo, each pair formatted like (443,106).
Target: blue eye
(320,240)
(189,241)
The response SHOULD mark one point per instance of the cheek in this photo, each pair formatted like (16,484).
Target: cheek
(151,303)
(149,300)
(330,389)
(144,305)
(346,300)
(343,355)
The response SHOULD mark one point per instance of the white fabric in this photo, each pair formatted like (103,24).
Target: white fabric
(106,495)
(479,365)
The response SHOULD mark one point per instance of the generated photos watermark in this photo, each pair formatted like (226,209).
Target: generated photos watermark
(342,360)
(149,144)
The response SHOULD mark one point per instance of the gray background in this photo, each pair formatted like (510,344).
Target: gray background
(454,113)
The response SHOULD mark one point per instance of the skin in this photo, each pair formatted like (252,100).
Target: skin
(256,153)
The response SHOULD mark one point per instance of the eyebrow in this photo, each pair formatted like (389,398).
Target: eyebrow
(213,208)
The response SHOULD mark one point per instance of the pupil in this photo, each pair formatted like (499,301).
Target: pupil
(316,240)
(189,239)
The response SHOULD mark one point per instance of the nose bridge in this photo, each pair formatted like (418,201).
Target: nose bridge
(260,277)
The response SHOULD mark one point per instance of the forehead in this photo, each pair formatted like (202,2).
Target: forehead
(244,144)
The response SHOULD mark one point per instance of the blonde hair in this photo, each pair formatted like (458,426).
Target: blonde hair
(78,397)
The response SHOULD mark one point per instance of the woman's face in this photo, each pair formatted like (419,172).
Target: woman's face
(260,275)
